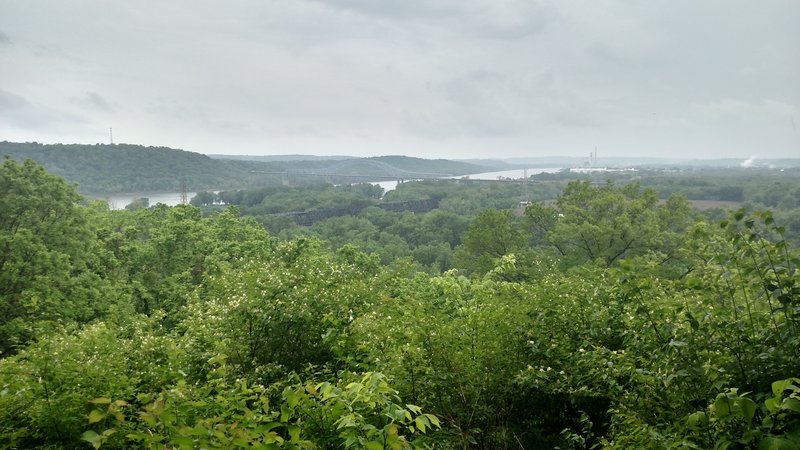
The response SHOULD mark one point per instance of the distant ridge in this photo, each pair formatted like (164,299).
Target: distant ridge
(117,168)
(405,163)
(111,168)
(280,158)
(442,166)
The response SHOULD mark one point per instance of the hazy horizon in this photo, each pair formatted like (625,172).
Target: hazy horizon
(434,79)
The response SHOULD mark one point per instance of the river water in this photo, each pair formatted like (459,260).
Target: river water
(515,174)
(119,201)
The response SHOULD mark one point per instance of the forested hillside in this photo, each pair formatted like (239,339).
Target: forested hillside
(404,163)
(604,319)
(103,168)
(106,168)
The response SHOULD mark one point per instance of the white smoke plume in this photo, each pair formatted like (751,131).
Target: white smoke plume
(749,162)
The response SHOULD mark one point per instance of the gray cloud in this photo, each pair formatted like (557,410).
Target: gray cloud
(10,103)
(93,100)
(510,19)
(407,10)
(4,39)
(18,111)
(440,78)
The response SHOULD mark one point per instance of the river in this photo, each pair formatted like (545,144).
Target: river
(119,201)
(515,174)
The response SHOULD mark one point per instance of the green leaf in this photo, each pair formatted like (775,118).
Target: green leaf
(433,420)
(421,423)
(184,442)
(294,433)
(198,430)
(93,438)
(354,387)
(772,404)
(346,421)
(791,404)
(781,385)
(286,413)
(774,443)
(100,401)
(148,418)
(414,408)
(697,420)
(292,397)
(722,406)
(373,445)
(96,416)
(748,408)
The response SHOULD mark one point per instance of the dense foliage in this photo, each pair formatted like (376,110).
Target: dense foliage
(715,189)
(606,319)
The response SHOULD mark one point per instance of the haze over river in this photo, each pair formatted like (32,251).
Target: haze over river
(119,201)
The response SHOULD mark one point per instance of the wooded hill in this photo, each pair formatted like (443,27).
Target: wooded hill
(104,168)
(390,165)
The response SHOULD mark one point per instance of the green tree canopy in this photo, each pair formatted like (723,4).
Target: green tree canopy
(608,223)
(492,235)
(51,266)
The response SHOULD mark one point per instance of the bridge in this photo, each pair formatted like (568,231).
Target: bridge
(382,172)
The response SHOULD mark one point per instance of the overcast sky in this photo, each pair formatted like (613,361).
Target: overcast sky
(429,78)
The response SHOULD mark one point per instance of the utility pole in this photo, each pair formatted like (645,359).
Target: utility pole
(111,135)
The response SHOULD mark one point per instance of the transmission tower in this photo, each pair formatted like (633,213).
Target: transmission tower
(525,183)
(183,191)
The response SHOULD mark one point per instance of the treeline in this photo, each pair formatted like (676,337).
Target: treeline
(104,169)
(606,319)
(283,199)
(752,188)
(764,187)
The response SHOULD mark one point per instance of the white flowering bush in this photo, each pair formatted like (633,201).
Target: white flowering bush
(44,389)
(278,315)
